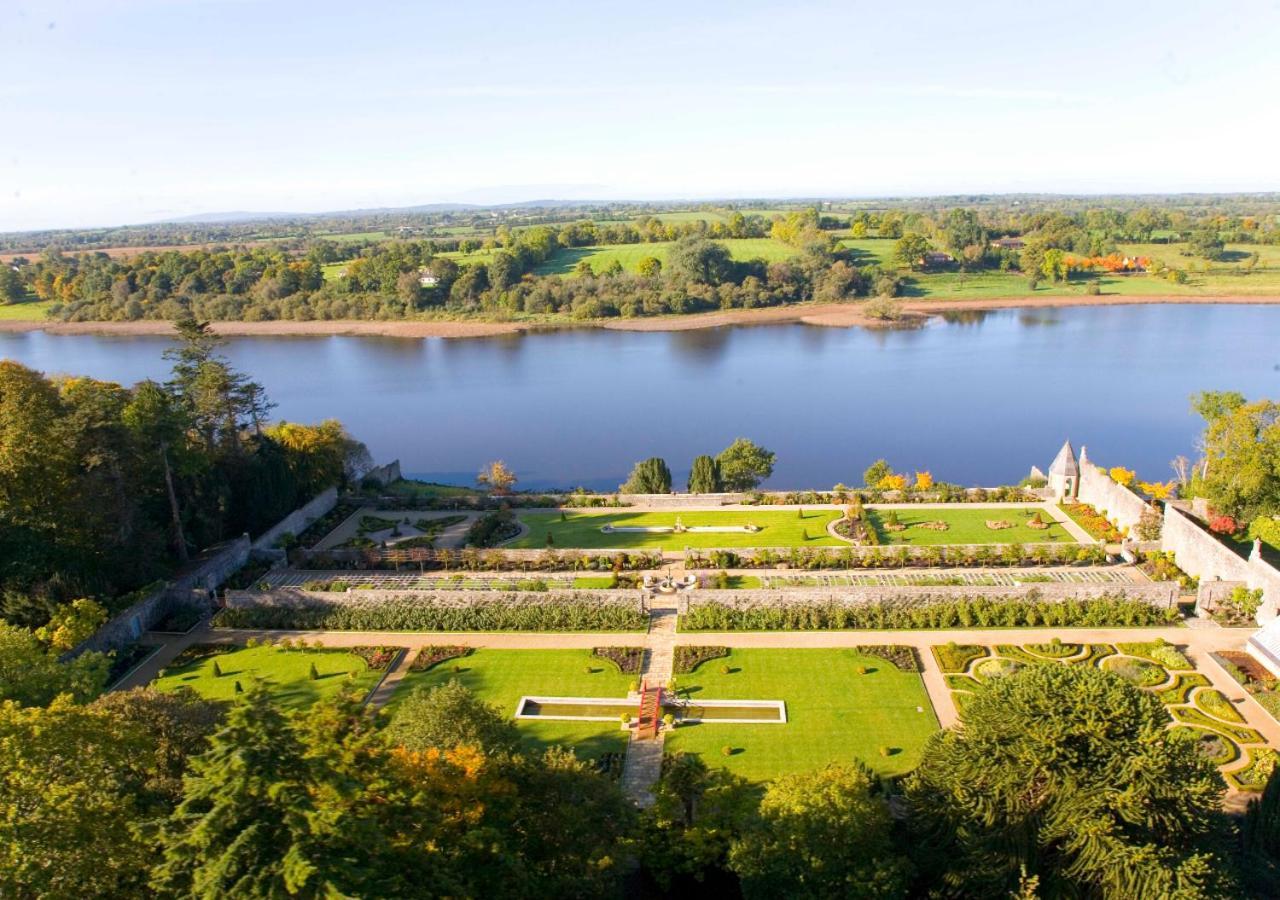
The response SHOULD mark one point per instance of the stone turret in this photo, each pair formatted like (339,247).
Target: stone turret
(1064,473)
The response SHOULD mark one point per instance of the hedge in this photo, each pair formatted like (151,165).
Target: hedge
(425,614)
(963,613)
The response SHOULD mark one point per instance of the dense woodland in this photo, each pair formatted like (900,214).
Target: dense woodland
(104,488)
(383,277)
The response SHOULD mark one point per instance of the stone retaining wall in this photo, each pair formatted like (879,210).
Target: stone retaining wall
(1199,553)
(1161,594)
(1120,504)
(297,521)
(192,585)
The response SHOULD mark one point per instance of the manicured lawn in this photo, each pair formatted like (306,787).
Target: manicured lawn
(502,677)
(833,713)
(778,528)
(285,672)
(969,526)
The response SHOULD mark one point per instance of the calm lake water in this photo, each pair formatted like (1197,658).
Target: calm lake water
(976,399)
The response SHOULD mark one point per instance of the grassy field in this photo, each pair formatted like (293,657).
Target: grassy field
(502,677)
(629,255)
(694,215)
(833,713)
(411,488)
(285,672)
(32,311)
(968,526)
(778,528)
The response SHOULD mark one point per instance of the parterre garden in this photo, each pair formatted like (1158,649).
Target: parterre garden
(1196,709)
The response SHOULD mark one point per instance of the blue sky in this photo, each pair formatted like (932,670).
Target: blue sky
(135,110)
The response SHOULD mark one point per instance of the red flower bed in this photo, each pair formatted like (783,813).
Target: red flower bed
(436,654)
(378,658)
(1092,521)
(689,658)
(627,659)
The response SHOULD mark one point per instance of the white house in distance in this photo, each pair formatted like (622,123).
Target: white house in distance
(426,279)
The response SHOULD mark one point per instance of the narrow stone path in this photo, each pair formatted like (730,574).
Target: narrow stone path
(399,667)
(643,765)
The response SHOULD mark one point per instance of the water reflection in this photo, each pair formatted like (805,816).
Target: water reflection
(975,403)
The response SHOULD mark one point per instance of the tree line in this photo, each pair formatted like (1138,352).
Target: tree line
(106,488)
(742,466)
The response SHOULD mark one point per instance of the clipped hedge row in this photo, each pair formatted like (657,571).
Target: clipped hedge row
(901,556)
(425,614)
(978,612)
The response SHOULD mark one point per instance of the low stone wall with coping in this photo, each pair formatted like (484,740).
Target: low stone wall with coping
(1161,594)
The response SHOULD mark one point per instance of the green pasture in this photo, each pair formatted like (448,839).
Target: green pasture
(834,714)
(630,255)
(30,311)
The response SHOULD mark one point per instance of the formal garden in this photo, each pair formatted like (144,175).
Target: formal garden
(295,675)
(843,706)
(1196,710)
(502,677)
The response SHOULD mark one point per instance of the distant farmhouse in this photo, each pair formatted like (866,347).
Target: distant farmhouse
(935,259)
(426,279)
(1008,243)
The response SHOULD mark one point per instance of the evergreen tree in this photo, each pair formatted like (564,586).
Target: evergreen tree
(704,478)
(650,476)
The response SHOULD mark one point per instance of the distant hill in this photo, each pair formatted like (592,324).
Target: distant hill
(231,218)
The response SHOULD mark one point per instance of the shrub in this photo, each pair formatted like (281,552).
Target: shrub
(627,659)
(901,656)
(980,612)
(567,611)
(1217,705)
(239,687)
(217,669)
(726,750)
(434,654)
(313,673)
(955,657)
(687,659)
(1158,651)
(376,658)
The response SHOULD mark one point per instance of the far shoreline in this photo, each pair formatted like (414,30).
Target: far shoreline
(827,315)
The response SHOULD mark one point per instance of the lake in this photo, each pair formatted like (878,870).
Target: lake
(976,398)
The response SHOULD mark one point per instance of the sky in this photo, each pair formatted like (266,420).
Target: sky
(126,111)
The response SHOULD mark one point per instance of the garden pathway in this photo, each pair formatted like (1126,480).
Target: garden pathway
(643,765)
(399,667)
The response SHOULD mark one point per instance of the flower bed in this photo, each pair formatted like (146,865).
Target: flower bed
(312,534)
(435,654)
(1160,652)
(1240,733)
(955,657)
(687,659)
(629,660)
(1093,522)
(1055,649)
(1136,671)
(1256,773)
(899,556)
(966,613)
(901,656)
(376,658)
(1215,704)
(1179,693)
(1214,748)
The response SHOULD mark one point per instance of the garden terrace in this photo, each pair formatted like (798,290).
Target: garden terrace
(841,705)
(284,669)
(440,611)
(592,530)
(1196,709)
(342,580)
(369,527)
(425,559)
(502,677)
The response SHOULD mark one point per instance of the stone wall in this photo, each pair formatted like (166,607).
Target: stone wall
(1161,594)
(297,521)
(1199,553)
(1120,504)
(383,475)
(192,585)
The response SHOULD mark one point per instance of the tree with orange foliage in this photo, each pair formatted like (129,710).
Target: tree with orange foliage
(924,481)
(893,482)
(1122,476)
(1157,490)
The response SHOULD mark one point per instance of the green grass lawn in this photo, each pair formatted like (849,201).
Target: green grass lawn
(285,672)
(833,713)
(29,311)
(502,677)
(778,528)
(409,487)
(629,255)
(968,526)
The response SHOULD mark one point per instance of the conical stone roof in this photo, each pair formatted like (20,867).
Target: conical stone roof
(1065,462)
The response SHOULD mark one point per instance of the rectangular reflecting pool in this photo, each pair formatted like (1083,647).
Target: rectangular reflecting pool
(597,709)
